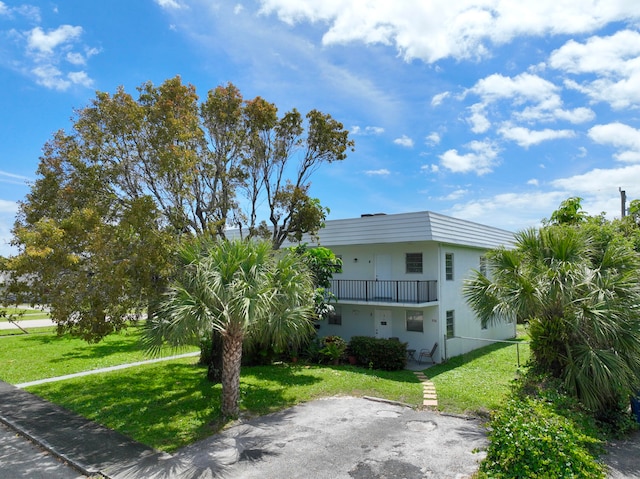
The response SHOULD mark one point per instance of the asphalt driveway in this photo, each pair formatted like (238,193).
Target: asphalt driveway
(333,438)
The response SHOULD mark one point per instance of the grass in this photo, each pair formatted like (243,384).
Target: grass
(170,405)
(23,314)
(28,357)
(35,331)
(477,382)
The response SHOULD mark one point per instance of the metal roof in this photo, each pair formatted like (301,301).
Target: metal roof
(411,227)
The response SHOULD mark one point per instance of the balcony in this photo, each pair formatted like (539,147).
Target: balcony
(410,292)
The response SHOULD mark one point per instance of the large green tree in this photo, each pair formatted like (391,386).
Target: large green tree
(241,289)
(581,298)
(137,176)
(323,263)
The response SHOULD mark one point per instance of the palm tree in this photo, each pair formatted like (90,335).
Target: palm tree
(241,289)
(581,303)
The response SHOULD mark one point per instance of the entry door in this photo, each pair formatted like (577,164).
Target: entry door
(383,274)
(383,323)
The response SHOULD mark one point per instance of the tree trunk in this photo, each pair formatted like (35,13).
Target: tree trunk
(214,365)
(231,362)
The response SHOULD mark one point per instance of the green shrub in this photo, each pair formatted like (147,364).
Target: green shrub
(530,438)
(378,353)
(333,349)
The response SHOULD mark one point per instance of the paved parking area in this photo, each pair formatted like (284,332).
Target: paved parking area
(333,438)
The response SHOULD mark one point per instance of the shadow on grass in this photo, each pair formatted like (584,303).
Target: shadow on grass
(165,406)
(287,371)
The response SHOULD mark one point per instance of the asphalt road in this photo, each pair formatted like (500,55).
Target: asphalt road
(20,458)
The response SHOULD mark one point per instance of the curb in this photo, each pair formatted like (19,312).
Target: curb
(47,447)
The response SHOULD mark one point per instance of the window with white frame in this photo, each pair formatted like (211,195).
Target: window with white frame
(448,266)
(451,323)
(483,265)
(335,317)
(415,321)
(413,262)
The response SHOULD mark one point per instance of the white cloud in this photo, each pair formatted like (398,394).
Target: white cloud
(623,137)
(45,43)
(478,119)
(614,54)
(380,172)
(170,4)
(498,210)
(76,58)
(613,59)
(239,8)
(433,138)
(454,195)
(8,207)
(541,113)
(368,130)
(80,78)
(439,98)
(460,29)
(405,141)
(28,11)
(525,137)
(480,160)
(606,181)
(50,77)
(12,176)
(521,88)
(530,99)
(533,182)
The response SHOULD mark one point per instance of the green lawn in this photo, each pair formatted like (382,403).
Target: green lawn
(170,405)
(477,382)
(28,357)
(23,314)
(18,332)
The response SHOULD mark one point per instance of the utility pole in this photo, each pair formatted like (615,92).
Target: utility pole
(623,202)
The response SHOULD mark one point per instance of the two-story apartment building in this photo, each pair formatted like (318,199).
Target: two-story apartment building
(402,277)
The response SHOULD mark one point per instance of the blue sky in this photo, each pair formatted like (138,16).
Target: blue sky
(489,110)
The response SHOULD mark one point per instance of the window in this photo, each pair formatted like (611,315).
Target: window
(448,266)
(335,317)
(451,320)
(413,262)
(415,321)
(483,265)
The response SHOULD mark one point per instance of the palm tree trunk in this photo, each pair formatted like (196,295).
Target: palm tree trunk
(231,362)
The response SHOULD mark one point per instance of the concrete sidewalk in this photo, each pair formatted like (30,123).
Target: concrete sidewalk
(106,370)
(26,324)
(91,448)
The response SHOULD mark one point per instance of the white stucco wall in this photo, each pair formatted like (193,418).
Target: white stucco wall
(358,319)
(451,298)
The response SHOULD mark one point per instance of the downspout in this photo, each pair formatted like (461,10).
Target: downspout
(442,331)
